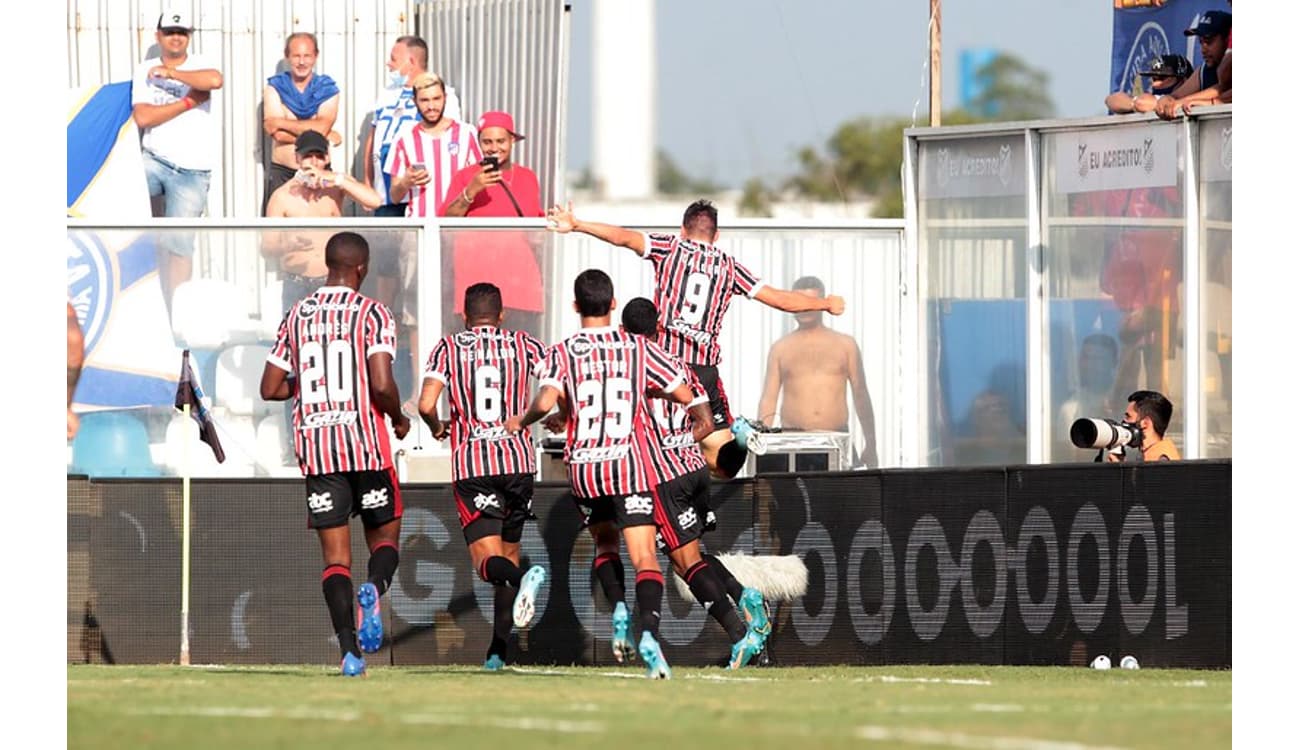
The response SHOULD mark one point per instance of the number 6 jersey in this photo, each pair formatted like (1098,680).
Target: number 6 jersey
(605,375)
(324,341)
(485,374)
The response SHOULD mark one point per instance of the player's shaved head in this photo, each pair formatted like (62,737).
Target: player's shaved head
(346,250)
(482,301)
(641,317)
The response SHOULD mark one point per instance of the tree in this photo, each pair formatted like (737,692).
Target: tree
(755,199)
(864,157)
(671,180)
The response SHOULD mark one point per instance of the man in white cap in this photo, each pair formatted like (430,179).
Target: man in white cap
(171,104)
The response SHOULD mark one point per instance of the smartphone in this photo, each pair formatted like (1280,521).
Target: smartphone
(417,165)
(490,163)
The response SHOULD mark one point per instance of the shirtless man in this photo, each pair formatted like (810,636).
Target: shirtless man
(316,191)
(812,365)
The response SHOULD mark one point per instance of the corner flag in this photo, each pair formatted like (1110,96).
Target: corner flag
(189,392)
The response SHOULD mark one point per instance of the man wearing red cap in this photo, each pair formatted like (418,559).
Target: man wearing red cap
(508,190)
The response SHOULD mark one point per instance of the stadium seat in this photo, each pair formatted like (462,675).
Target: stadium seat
(238,380)
(238,440)
(209,314)
(112,444)
(270,443)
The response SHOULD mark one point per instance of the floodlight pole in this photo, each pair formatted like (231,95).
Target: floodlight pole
(936,61)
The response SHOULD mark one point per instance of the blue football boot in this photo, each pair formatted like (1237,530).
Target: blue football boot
(370,626)
(656,666)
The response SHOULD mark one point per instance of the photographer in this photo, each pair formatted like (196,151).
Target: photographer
(1150,411)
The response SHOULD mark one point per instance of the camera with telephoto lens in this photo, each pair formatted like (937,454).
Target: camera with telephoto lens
(1105,434)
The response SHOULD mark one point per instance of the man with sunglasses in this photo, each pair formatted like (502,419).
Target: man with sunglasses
(171,104)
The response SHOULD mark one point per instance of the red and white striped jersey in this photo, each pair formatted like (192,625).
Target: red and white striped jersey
(606,375)
(694,284)
(485,371)
(673,450)
(324,341)
(442,156)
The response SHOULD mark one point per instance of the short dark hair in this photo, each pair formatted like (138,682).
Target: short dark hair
(482,300)
(594,292)
(1153,405)
(1104,341)
(418,47)
(809,282)
(346,250)
(301,35)
(641,317)
(701,216)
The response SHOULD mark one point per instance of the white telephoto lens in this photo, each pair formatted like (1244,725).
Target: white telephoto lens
(1101,662)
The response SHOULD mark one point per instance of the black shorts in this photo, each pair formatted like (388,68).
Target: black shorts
(332,499)
(626,511)
(712,382)
(681,508)
(494,506)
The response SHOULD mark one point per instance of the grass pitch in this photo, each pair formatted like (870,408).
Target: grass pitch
(1011,708)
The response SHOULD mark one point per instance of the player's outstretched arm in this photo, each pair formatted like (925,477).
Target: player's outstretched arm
(429,407)
(383,390)
(542,404)
(561,219)
(788,301)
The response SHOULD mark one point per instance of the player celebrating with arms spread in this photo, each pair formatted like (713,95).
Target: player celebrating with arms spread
(694,284)
(605,375)
(333,356)
(485,372)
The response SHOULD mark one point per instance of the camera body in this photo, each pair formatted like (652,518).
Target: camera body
(1105,434)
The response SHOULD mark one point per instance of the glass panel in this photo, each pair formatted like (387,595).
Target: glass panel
(972,220)
(1113,216)
(224,303)
(535,270)
(1216,285)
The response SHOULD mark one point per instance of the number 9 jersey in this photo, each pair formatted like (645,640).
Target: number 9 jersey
(484,371)
(324,341)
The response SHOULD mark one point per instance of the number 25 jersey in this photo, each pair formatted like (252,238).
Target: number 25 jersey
(485,373)
(325,340)
(605,374)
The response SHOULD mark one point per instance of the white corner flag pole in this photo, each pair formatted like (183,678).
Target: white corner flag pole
(185,547)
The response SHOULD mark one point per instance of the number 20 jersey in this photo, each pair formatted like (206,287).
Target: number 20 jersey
(694,284)
(604,374)
(485,373)
(325,340)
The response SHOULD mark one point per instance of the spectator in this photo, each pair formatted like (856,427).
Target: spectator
(171,104)
(1098,365)
(506,259)
(315,190)
(1150,411)
(394,114)
(1212,28)
(421,164)
(810,368)
(296,100)
(1166,72)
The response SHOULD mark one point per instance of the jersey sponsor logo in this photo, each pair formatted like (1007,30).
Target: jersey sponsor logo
(638,505)
(687,518)
(689,332)
(483,502)
(466,338)
(598,455)
(678,442)
(308,306)
(328,419)
(489,432)
(376,498)
(580,347)
(320,502)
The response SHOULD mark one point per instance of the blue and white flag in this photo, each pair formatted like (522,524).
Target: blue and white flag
(113,274)
(1146,29)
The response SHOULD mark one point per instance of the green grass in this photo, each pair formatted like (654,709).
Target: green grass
(576,707)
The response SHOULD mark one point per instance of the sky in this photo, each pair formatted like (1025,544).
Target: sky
(761,78)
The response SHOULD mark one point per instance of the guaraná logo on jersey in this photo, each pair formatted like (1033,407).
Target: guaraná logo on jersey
(92,284)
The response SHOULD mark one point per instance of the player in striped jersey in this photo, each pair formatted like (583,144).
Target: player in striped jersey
(431,151)
(683,492)
(333,356)
(694,284)
(484,370)
(605,376)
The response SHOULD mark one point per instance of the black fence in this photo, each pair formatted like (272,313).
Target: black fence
(1044,565)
